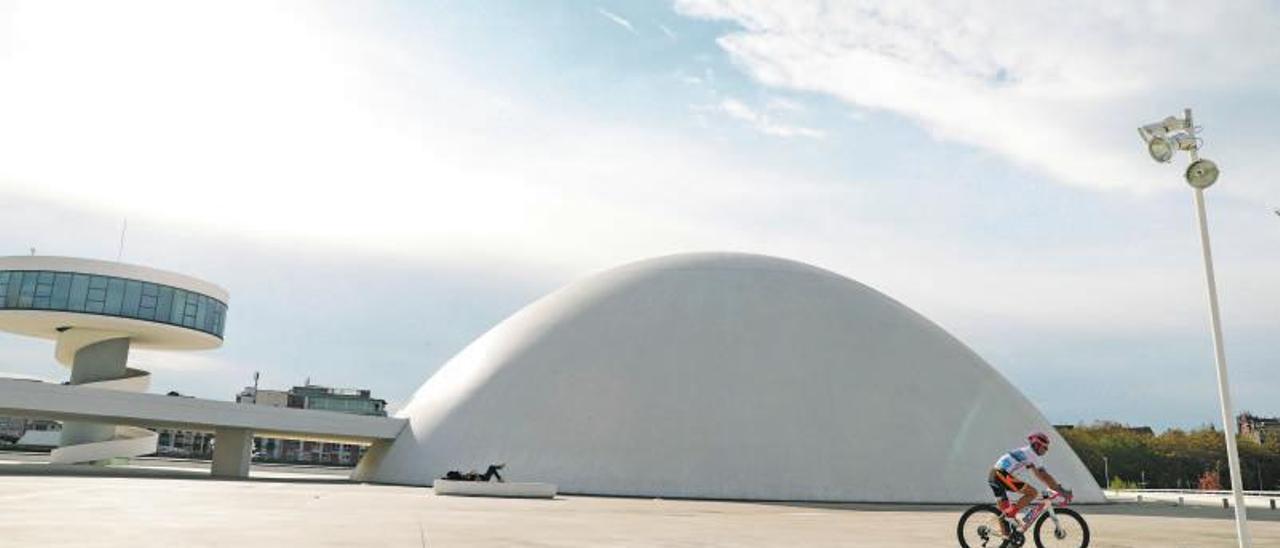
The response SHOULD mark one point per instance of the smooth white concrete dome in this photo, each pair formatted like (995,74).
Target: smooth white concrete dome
(723,376)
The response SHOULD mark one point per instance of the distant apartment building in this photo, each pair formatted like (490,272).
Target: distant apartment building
(270,398)
(320,398)
(1259,429)
(341,400)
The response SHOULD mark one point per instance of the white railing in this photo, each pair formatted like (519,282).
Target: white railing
(1195,497)
(1198,492)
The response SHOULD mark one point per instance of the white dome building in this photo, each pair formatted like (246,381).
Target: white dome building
(723,376)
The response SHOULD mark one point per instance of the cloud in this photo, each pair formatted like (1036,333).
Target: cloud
(667,31)
(618,19)
(319,134)
(763,123)
(302,130)
(169,361)
(1044,87)
(305,131)
(785,105)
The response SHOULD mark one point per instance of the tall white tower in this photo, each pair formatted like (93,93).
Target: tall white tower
(96,311)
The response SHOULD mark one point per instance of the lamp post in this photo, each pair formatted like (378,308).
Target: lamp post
(1164,139)
(1106,472)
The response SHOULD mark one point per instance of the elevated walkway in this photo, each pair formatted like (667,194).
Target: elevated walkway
(233,424)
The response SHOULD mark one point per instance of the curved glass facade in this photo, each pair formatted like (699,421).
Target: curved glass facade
(111,296)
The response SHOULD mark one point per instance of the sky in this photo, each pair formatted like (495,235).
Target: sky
(378,184)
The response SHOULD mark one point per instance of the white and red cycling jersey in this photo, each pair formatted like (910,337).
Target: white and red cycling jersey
(1018,460)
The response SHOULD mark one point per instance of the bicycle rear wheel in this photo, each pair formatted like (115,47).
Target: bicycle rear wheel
(1071,530)
(982,527)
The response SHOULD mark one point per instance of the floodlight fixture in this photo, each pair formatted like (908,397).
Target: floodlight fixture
(1184,141)
(1162,128)
(1160,148)
(1202,173)
(1151,131)
(1164,138)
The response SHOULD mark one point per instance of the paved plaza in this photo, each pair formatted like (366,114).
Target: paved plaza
(163,505)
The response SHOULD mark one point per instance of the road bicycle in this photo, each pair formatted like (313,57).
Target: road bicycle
(984,526)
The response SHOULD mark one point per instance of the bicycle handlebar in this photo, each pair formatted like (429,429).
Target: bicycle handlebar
(1065,495)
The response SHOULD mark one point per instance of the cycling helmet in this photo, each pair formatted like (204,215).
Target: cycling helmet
(1039,442)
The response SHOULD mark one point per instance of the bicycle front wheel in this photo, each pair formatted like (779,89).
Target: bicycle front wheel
(982,527)
(1071,530)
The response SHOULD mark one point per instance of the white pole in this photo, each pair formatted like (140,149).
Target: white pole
(1220,360)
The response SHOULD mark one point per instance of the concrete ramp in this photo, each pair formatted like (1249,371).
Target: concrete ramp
(228,420)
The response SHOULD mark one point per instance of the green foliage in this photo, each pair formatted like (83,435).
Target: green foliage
(1117,483)
(1172,459)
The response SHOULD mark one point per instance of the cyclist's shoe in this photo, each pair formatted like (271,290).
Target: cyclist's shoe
(1017,539)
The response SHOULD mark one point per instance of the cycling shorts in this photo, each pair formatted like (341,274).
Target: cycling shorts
(1002,482)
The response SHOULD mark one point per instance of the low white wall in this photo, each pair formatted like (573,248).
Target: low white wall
(1269,500)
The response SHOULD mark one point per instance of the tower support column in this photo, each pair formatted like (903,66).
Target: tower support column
(95,363)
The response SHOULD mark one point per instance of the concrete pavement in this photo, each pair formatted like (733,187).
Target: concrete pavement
(57,510)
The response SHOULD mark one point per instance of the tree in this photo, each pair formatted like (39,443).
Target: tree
(1173,459)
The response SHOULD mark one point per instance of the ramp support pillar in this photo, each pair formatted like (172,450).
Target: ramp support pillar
(232,452)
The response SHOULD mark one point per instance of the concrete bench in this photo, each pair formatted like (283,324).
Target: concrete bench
(494,489)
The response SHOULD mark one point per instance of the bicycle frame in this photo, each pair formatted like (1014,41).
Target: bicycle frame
(1005,529)
(1045,503)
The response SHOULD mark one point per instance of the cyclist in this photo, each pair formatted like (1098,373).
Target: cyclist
(1003,476)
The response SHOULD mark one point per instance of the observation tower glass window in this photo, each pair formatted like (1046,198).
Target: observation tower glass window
(27,293)
(115,296)
(79,292)
(61,291)
(111,296)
